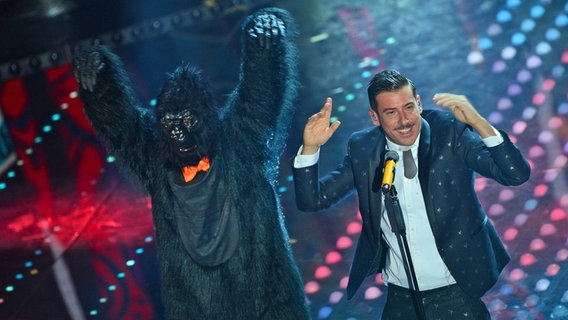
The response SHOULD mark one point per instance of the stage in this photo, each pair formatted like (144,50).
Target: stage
(77,238)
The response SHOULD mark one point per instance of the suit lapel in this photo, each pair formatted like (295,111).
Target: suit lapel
(424,168)
(375,178)
(423,152)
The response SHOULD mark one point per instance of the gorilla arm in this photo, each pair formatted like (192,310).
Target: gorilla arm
(262,107)
(111,105)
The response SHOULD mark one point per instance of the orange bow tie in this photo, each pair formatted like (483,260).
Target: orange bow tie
(189,172)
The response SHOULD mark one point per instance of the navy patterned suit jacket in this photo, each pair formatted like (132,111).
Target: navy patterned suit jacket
(450,152)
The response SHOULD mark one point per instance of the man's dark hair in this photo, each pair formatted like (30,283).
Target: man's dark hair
(388,80)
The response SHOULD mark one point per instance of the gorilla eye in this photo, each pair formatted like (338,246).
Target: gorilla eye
(175,121)
(167,120)
(189,120)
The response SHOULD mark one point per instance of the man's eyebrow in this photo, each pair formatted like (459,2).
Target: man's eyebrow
(409,103)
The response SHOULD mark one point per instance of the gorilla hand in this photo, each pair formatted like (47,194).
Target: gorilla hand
(266,28)
(87,66)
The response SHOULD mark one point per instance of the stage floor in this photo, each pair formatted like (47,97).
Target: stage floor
(79,244)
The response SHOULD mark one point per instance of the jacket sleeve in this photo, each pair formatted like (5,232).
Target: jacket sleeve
(314,194)
(503,163)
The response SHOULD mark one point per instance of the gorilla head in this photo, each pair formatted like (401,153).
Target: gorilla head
(189,121)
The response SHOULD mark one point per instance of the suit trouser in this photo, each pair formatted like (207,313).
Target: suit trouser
(449,303)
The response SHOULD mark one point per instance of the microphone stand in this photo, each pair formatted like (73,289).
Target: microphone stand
(392,205)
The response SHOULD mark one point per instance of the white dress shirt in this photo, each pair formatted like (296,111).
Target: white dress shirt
(430,270)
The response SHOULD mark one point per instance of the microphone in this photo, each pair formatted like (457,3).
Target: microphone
(391,157)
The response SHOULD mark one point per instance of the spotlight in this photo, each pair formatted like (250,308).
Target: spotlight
(136,32)
(157,25)
(196,14)
(50,8)
(176,21)
(35,63)
(14,68)
(54,57)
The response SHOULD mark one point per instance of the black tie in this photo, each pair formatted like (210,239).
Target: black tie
(409,165)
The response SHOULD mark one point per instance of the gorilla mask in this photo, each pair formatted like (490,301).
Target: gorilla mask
(179,127)
(188,120)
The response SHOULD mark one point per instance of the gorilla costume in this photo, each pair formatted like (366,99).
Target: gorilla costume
(222,243)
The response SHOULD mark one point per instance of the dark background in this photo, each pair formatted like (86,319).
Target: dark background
(77,241)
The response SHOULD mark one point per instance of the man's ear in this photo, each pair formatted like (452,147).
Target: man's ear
(419,103)
(374,117)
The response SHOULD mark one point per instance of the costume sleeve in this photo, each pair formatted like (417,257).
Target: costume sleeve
(262,106)
(114,112)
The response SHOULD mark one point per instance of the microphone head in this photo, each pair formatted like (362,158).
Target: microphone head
(391,155)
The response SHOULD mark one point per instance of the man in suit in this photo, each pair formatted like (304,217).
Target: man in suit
(455,251)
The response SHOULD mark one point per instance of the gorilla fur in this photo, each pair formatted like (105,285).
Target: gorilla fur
(254,276)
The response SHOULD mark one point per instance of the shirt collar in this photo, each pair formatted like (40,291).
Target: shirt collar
(393,146)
